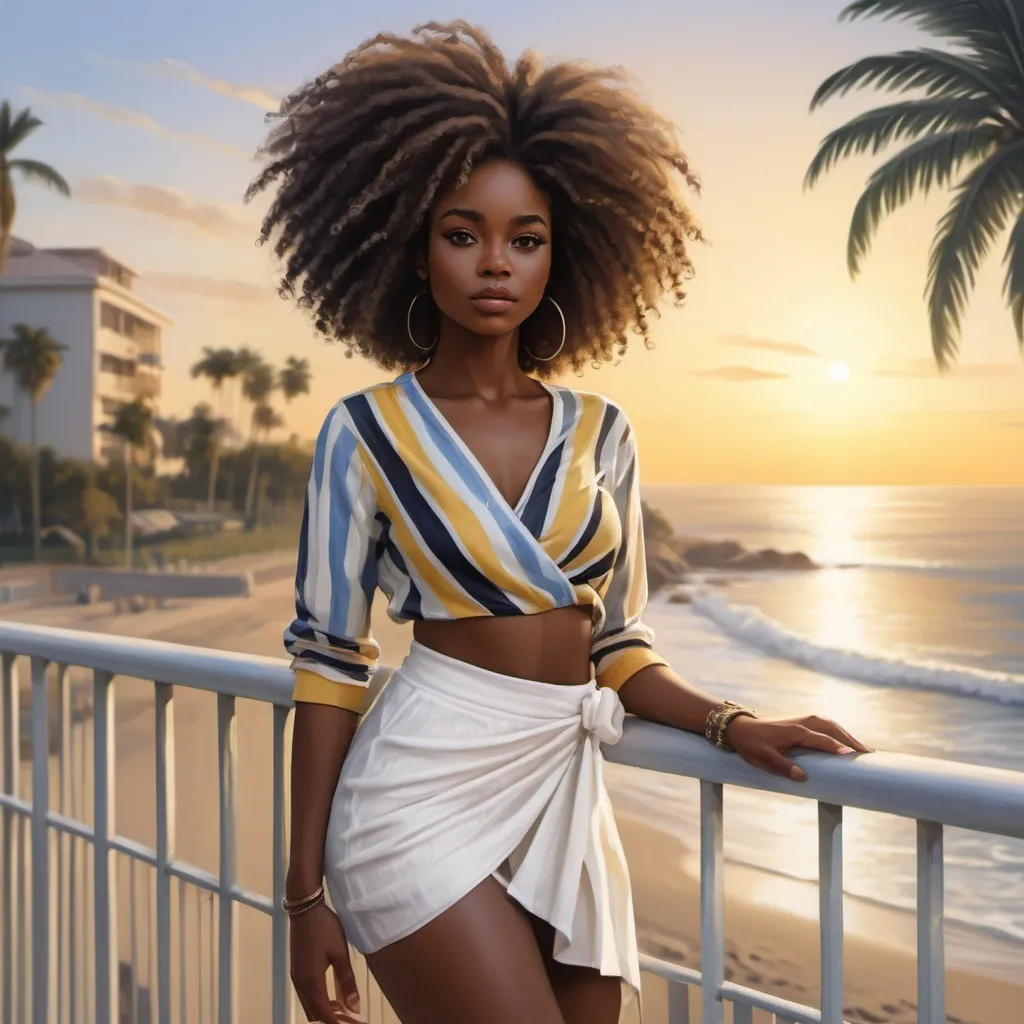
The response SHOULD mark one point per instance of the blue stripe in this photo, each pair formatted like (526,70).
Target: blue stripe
(338,527)
(431,528)
(525,552)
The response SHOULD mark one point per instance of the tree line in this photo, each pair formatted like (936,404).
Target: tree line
(81,495)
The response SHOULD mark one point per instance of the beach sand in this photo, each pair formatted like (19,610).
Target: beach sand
(767,947)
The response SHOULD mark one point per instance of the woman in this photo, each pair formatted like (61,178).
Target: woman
(478,229)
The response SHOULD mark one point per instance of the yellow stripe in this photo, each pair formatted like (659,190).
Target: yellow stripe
(313,688)
(622,666)
(574,503)
(463,520)
(636,564)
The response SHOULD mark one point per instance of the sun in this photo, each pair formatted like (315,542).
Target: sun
(838,372)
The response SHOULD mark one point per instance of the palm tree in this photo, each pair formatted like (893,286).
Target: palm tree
(294,378)
(13,131)
(967,126)
(217,365)
(265,419)
(258,383)
(133,424)
(32,357)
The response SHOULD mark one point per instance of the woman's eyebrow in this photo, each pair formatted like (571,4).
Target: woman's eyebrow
(476,217)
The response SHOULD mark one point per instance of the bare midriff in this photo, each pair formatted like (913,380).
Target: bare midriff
(548,647)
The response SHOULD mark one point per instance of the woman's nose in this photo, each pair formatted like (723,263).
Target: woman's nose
(494,263)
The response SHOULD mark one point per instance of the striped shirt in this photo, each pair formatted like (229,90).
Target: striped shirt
(397,501)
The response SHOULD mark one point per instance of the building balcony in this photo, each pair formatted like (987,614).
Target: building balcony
(92,920)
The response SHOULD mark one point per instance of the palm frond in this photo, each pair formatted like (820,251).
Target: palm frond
(14,130)
(41,173)
(937,72)
(1013,286)
(878,128)
(982,205)
(989,27)
(923,164)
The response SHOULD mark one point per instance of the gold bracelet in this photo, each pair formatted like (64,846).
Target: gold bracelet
(724,723)
(718,721)
(295,907)
(714,716)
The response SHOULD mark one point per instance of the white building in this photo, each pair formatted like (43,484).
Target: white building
(113,345)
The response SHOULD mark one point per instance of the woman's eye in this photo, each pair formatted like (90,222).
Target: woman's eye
(527,241)
(460,237)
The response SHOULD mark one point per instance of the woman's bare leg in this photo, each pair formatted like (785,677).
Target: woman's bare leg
(476,962)
(584,995)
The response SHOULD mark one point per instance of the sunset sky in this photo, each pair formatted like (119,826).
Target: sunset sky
(153,117)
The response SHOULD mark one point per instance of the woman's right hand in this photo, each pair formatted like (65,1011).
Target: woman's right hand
(318,944)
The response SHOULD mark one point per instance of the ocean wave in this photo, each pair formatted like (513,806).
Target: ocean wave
(751,627)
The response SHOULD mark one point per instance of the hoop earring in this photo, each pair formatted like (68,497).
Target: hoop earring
(408,327)
(561,316)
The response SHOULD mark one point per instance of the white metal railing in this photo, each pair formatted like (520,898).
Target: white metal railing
(49,973)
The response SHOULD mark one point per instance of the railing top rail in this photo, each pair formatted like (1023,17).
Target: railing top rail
(963,795)
(949,792)
(240,675)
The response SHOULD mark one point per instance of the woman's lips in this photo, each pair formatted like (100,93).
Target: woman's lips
(491,304)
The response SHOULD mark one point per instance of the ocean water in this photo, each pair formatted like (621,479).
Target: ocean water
(911,636)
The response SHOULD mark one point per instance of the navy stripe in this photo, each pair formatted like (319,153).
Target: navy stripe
(536,509)
(610,415)
(357,673)
(412,606)
(303,631)
(585,537)
(599,568)
(622,645)
(302,564)
(433,531)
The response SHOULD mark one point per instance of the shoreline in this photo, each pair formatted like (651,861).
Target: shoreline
(778,951)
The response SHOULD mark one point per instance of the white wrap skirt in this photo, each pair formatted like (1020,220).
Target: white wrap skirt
(456,774)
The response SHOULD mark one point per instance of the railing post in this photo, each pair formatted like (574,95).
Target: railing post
(712,903)
(830,905)
(104,876)
(279,982)
(227,974)
(10,782)
(931,958)
(40,844)
(166,817)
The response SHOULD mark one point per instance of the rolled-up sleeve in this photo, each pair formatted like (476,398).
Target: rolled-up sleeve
(624,643)
(333,652)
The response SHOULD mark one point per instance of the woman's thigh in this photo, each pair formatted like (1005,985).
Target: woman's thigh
(478,961)
(584,995)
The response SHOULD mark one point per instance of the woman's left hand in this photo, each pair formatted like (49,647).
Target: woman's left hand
(763,743)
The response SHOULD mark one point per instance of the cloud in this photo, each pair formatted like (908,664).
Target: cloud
(126,116)
(926,369)
(739,374)
(1013,424)
(786,348)
(222,289)
(168,67)
(162,201)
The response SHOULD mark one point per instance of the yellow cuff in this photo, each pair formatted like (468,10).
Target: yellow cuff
(626,664)
(313,688)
